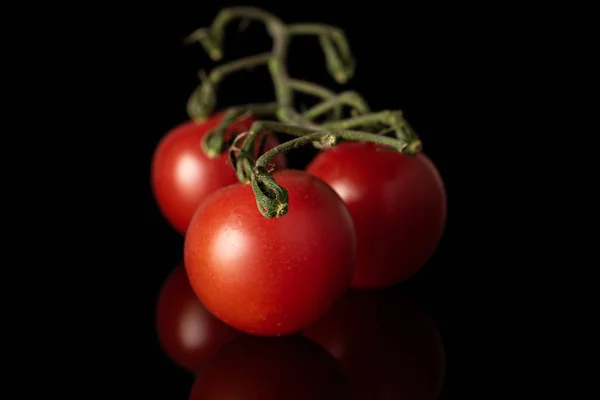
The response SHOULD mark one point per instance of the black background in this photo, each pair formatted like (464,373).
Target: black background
(439,64)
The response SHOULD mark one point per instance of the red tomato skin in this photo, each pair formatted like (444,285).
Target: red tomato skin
(188,333)
(397,202)
(183,175)
(271,277)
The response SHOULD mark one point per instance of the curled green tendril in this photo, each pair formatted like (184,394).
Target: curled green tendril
(340,68)
(211,42)
(203,99)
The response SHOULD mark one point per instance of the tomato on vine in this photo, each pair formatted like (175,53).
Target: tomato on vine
(183,174)
(397,202)
(271,276)
(187,332)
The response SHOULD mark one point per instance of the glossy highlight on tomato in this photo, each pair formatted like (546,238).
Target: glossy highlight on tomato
(271,276)
(188,333)
(389,348)
(290,368)
(183,175)
(397,202)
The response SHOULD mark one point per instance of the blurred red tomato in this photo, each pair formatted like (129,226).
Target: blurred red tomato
(389,348)
(188,333)
(260,368)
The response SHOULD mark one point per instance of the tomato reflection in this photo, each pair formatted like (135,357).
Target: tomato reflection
(259,368)
(389,348)
(188,333)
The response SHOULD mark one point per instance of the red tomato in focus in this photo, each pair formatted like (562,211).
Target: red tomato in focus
(182,174)
(188,333)
(388,347)
(398,204)
(253,368)
(271,276)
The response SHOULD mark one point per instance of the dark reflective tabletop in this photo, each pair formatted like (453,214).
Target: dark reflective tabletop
(377,344)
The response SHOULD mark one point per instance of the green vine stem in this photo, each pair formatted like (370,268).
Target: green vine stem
(349,98)
(338,57)
(203,100)
(393,121)
(317,91)
(271,198)
(214,143)
(337,53)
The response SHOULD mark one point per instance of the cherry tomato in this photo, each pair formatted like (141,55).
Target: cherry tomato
(388,347)
(183,175)
(188,333)
(271,276)
(398,204)
(289,368)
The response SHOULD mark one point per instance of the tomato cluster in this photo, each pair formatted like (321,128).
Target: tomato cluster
(271,250)
(358,217)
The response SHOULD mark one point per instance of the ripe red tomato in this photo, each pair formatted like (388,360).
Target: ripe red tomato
(389,348)
(290,368)
(182,174)
(271,276)
(188,333)
(398,204)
